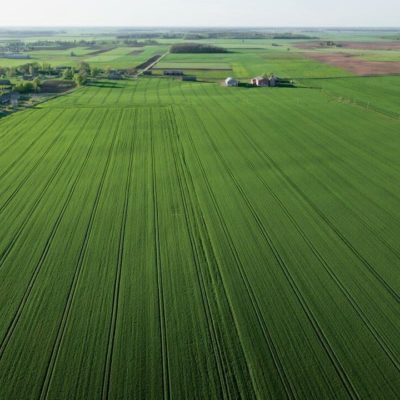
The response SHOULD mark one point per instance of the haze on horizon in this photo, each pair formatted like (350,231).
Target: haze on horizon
(206,13)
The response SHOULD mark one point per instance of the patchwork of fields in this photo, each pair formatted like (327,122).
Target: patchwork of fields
(108,57)
(246,63)
(165,239)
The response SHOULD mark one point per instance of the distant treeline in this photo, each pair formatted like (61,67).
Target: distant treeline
(150,35)
(19,46)
(225,34)
(292,36)
(252,35)
(136,43)
(35,32)
(196,48)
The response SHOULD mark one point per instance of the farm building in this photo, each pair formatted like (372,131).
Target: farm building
(231,82)
(260,81)
(173,72)
(264,81)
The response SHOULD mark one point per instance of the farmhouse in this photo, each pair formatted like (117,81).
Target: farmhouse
(231,82)
(264,81)
(260,81)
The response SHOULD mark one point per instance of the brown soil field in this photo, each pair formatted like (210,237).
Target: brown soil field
(355,65)
(392,45)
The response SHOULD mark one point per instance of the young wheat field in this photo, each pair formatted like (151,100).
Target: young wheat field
(182,240)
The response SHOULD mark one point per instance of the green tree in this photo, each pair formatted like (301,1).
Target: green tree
(25,87)
(46,66)
(33,68)
(80,79)
(95,71)
(84,67)
(68,74)
(36,84)
(11,72)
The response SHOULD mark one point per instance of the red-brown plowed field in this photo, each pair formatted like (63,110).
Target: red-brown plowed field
(356,65)
(393,45)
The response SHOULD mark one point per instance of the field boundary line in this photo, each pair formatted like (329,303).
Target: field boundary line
(359,103)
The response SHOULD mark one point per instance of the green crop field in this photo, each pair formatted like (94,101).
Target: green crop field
(191,65)
(112,57)
(167,239)
(379,94)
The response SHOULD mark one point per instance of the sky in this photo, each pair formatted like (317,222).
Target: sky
(262,13)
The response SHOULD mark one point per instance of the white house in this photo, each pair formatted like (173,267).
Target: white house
(260,81)
(231,82)
(264,81)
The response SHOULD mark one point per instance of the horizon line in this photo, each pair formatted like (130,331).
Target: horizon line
(204,27)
